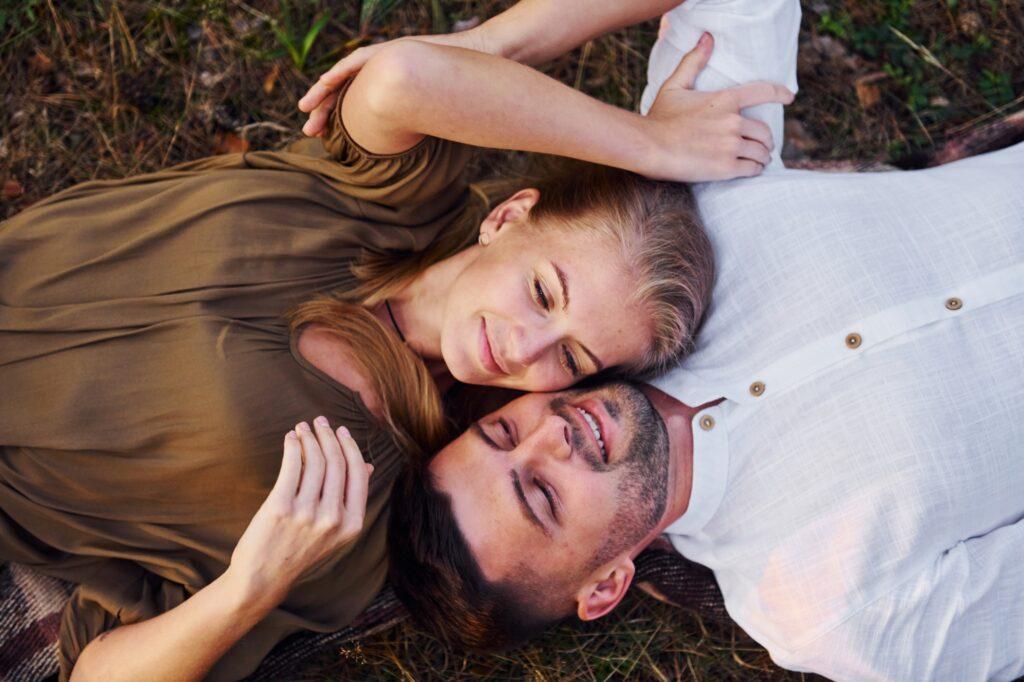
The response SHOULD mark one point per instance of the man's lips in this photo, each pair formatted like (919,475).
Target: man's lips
(605,424)
(487,358)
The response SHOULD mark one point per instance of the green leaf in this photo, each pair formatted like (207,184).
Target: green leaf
(307,42)
(288,43)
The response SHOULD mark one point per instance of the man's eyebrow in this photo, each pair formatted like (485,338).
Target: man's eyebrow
(527,510)
(563,280)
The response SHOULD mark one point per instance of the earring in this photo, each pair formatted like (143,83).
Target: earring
(485,239)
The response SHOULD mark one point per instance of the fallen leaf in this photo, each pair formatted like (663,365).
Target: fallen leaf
(40,63)
(970,23)
(271,80)
(868,91)
(229,143)
(12,189)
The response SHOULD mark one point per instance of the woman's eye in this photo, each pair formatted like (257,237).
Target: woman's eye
(570,362)
(542,298)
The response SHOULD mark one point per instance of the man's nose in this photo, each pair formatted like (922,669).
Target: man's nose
(551,439)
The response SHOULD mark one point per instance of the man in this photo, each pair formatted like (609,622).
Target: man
(883,542)
(843,446)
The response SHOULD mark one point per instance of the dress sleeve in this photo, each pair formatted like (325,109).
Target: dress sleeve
(961,618)
(124,593)
(430,172)
(754,40)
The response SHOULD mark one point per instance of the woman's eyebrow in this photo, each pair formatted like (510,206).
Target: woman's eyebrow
(563,281)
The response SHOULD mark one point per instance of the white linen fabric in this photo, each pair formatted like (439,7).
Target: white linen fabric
(859,493)
(754,40)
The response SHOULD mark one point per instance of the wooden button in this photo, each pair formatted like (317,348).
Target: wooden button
(954,303)
(707,422)
(757,388)
(853,340)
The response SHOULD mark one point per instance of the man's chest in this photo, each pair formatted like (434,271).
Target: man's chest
(838,491)
(849,260)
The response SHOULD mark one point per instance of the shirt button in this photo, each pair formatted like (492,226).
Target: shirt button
(757,388)
(853,340)
(954,303)
(707,422)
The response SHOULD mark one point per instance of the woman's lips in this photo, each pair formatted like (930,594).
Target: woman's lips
(486,354)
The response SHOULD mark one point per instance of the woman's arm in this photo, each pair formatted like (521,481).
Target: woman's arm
(530,32)
(316,507)
(536,31)
(414,89)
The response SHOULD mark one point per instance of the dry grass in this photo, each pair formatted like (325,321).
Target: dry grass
(644,640)
(107,89)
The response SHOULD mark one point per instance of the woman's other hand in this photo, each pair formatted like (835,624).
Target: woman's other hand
(315,509)
(702,136)
(322,96)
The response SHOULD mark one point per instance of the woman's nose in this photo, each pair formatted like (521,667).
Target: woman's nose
(529,346)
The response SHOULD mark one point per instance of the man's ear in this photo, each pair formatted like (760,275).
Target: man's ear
(605,588)
(512,210)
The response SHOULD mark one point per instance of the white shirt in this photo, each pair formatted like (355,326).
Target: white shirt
(860,492)
(754,40)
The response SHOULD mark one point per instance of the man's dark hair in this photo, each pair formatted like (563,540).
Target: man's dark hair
(433,571)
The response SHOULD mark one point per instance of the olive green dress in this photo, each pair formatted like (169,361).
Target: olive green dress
(147,377)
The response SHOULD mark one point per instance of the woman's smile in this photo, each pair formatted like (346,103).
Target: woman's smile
(487,358)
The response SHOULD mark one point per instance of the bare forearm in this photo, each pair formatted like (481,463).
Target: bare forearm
(180,644)
(536,31)
(416,89)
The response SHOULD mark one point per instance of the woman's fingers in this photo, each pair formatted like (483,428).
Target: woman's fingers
(333,78)
(333,493)
(313,470)
(314,96)
(318,117)
(758,132)
(291,469)
(745,168)
(692,63)
(761,92)
(755,151)
(358,482)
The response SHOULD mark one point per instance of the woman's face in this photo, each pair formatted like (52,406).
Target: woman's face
(540,308)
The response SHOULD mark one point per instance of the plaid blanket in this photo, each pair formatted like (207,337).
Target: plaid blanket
(31,603)
(30,611)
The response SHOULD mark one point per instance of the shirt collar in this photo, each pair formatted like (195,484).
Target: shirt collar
(710,471)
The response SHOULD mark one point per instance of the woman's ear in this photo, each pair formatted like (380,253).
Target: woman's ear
(605,588)
(513,210)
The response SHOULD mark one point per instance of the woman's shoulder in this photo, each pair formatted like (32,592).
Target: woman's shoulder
(335,358)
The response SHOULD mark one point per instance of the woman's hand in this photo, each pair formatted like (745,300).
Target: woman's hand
(315,509)
(322,96)
(702,135)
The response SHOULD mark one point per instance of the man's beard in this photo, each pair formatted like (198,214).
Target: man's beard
(643,491)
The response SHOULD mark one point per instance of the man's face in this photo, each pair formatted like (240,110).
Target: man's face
(534,484)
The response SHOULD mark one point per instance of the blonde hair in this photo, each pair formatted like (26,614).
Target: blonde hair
(656,224)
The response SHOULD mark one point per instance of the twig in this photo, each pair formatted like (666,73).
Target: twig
(583,63)
(244,130)
(928,57)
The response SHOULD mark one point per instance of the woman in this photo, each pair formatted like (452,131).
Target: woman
(148,370)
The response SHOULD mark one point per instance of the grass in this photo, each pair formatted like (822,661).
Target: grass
(644,640)
(106,89)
